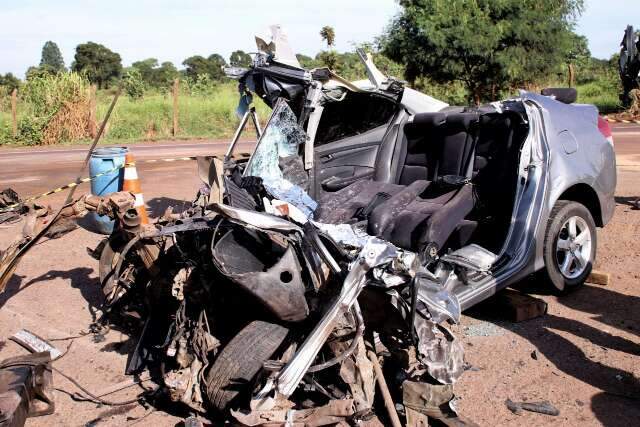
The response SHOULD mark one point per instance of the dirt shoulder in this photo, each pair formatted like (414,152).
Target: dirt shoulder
(583,356)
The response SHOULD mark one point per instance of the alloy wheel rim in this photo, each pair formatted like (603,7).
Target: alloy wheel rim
(573,247)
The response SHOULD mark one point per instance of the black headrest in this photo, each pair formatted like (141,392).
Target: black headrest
(424,122)
(462,121)
(566,95)
(429,119)
(495,120)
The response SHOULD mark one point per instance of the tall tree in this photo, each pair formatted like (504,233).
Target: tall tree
(196,65)
(239,58)
(486,44)
(146,68)
(52,58)
(9,81)
(328,34)
(211,66)
(165,74)
(217,64)
(154,75)
(578,58)
(98,63)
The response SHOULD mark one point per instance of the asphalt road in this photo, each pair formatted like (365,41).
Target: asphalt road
(626,139)
(32,171)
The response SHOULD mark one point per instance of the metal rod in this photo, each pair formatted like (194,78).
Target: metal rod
(384,389)
(256,122)
(414,303)
(7,269)
(236,136)
(95,142)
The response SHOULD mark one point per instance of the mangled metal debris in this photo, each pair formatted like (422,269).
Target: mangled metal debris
(26,388)
(11,206)
(35,344)
(543,407)
(278,294)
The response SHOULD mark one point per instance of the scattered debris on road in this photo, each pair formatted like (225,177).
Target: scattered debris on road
(10,206)
(26,388)
(483,329)
(35,344)
(543,407)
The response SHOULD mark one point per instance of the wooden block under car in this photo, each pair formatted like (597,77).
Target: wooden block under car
(598,277)
(517,307)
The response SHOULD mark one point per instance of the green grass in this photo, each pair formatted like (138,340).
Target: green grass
(213,115)
(151,118)
(5,128)
(604,94)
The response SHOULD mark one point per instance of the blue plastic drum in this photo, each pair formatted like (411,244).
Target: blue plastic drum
(105,160)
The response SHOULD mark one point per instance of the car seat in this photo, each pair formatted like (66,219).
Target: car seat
(440,196)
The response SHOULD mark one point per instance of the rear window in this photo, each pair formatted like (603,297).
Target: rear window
(356,114)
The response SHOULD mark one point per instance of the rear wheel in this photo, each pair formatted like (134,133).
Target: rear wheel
(240,361)
(569,245)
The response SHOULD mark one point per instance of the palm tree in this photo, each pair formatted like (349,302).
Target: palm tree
(328,34)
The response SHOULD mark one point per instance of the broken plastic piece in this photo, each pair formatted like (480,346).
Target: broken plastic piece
(34,343)
(543,407)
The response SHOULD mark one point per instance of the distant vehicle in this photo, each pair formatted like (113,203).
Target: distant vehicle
(629,64)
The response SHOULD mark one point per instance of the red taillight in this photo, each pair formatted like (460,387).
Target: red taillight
(605,129)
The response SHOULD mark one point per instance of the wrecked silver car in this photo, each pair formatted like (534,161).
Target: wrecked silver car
(333,257)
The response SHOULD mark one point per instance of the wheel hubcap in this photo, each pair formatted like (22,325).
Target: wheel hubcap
(573,247)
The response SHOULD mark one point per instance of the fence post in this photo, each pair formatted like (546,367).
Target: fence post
(176,87)
(93,128)
(14,118)
(572,74)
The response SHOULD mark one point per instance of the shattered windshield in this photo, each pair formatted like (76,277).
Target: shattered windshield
(277,162)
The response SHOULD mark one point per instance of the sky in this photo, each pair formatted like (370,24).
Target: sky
(174,30)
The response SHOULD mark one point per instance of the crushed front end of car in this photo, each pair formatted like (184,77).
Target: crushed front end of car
(252,309)
(247,307)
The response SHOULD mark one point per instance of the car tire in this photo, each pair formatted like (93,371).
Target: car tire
(108,259)
(569,246)
(240,361)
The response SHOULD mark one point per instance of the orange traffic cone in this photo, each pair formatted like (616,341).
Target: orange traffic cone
(132,184)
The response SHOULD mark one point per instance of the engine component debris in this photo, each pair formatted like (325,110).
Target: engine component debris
(334,412)
(11,206)
(26,388)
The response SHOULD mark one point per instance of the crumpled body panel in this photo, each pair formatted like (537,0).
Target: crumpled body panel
(279,287)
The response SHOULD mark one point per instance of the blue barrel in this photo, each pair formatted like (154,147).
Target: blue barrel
(103,160)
